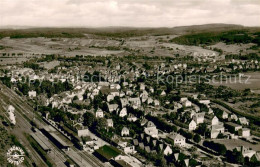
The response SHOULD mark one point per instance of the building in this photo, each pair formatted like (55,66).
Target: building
(224,115)
(83,132)
(243,121)
(112,107)
(232,127)
(32,94)
(234,117)
(151,129)
(216,130)
(199,118)
(42,141)
(110,98)
(167,150)
(214,121)
(124,102)
(10,108)
(206,102)
(245,132)
(99,113)
(178,139)
(125,131)
(126,161)
(123,112)
(246,152)
(12,118)
(110,123)
(132,118)
(192,125)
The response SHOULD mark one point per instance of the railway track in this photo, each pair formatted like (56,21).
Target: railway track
(23,110)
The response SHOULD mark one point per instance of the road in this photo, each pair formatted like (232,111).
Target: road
(25,113)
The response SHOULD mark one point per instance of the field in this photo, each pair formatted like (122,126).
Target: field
(108,152)
(250,80)
(232,143)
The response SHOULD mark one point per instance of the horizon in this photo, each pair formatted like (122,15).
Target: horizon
(20,27)
(128,13)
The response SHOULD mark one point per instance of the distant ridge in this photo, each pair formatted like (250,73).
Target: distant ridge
(73,32)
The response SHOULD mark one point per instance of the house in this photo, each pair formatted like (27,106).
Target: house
(243,121)
(131,118)
(32,94)
(151,129)
(12,117)
(147,149)
(126,161)
(142,86)
(246,152)
(129,93)
(199,118)
(187,103)
(163,93)
(110,97)
(206,102)
(141,145)
(83,132)
(99,113)
(183,99)
(144,96)
(232,127)
(112,107)
(176,156)
(95,92)
(123,112)
(115,86)
(234,117)
(224,115)
(178,139)
(245,132)
(216,130)
(214,121)
(110,123)
(124,102)
(149,100)
(135,101)
(10,108)
(125,131)
(114,92)
(167,150)
(135,142)
(122,94)
(128,149)
(192,125)
(156,102)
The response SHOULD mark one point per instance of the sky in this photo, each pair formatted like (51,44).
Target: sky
(129,13)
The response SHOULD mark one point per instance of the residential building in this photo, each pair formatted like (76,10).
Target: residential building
(125,131)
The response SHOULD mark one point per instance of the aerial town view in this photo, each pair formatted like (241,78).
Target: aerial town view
(130,83)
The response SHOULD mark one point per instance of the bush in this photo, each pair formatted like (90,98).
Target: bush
(220,148)
(197,138)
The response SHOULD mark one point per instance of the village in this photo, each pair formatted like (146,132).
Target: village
(116,108)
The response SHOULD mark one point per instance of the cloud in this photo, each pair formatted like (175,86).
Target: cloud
(138,13)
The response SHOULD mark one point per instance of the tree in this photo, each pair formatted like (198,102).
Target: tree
(197,138)
(161,161)
(202,129)
(75,98)
(89,119)
(101,123)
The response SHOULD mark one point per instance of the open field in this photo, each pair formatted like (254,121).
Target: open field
(250,80)
(232,143)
